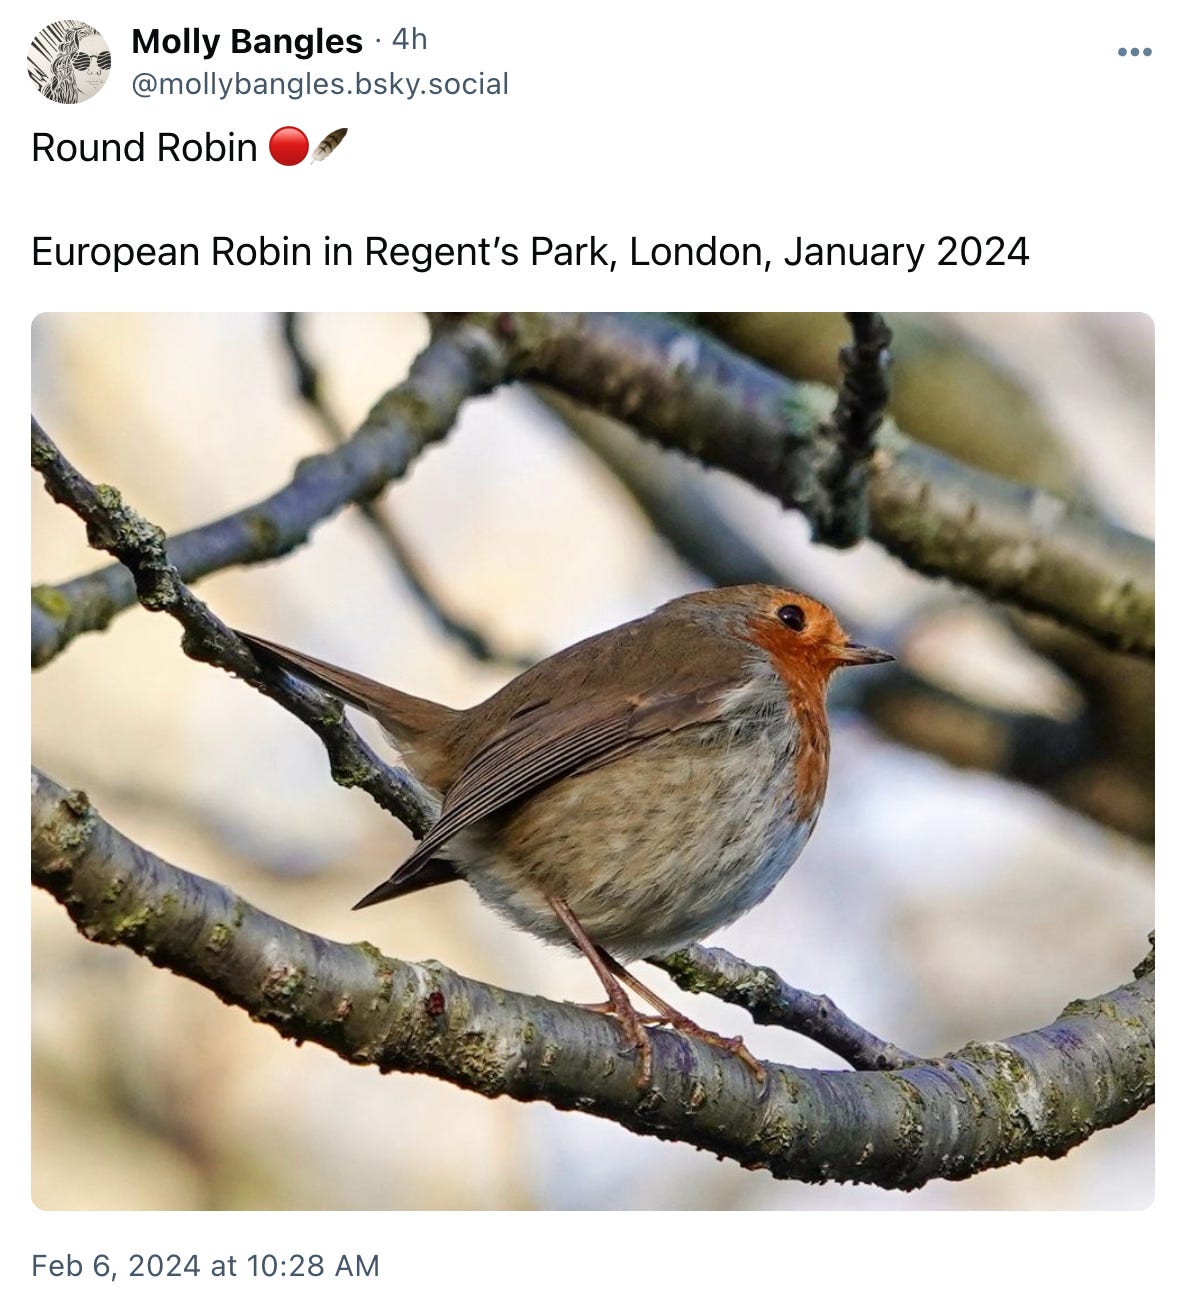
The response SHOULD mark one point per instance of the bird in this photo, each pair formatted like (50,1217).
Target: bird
(631,794)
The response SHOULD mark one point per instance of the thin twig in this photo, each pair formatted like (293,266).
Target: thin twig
(308,379)
(407,565)
(858,412)
(863,394)
(673,494)
(772,1002)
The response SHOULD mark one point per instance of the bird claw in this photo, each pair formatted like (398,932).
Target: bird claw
(737,1046)
(734,1044)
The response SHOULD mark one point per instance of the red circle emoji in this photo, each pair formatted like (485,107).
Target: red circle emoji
(289,146)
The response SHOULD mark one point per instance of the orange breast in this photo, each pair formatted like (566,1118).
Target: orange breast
(812,757)
(805,693)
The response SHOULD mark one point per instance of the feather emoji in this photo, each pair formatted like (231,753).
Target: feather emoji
(329,144)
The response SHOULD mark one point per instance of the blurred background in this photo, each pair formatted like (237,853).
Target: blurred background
(937,902)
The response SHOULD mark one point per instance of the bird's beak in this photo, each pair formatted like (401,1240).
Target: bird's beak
(855,653)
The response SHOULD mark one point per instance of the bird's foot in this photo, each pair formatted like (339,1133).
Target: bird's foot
(633,1026)
(734,1044)
(680,1022)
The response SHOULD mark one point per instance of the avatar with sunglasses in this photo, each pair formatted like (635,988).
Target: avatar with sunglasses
(80,67)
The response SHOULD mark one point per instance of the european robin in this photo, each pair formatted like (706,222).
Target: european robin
(633,793)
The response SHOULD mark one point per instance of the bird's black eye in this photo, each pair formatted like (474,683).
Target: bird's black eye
(792,617)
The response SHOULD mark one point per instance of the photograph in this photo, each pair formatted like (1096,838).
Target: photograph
(428,710)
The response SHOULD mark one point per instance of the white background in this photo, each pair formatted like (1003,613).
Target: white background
(670,121)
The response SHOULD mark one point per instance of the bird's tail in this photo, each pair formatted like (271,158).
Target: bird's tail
(406,718)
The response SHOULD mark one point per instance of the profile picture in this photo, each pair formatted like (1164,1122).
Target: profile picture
(69,61)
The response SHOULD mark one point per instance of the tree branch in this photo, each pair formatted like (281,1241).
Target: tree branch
(458,364)
(1071,760)
(864,392)
(140,546)
(991,1104)
(941,517)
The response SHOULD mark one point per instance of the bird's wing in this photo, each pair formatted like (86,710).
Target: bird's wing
(542,743)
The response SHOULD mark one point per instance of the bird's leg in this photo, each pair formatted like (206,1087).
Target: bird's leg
(618,1006)
(669,1014)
